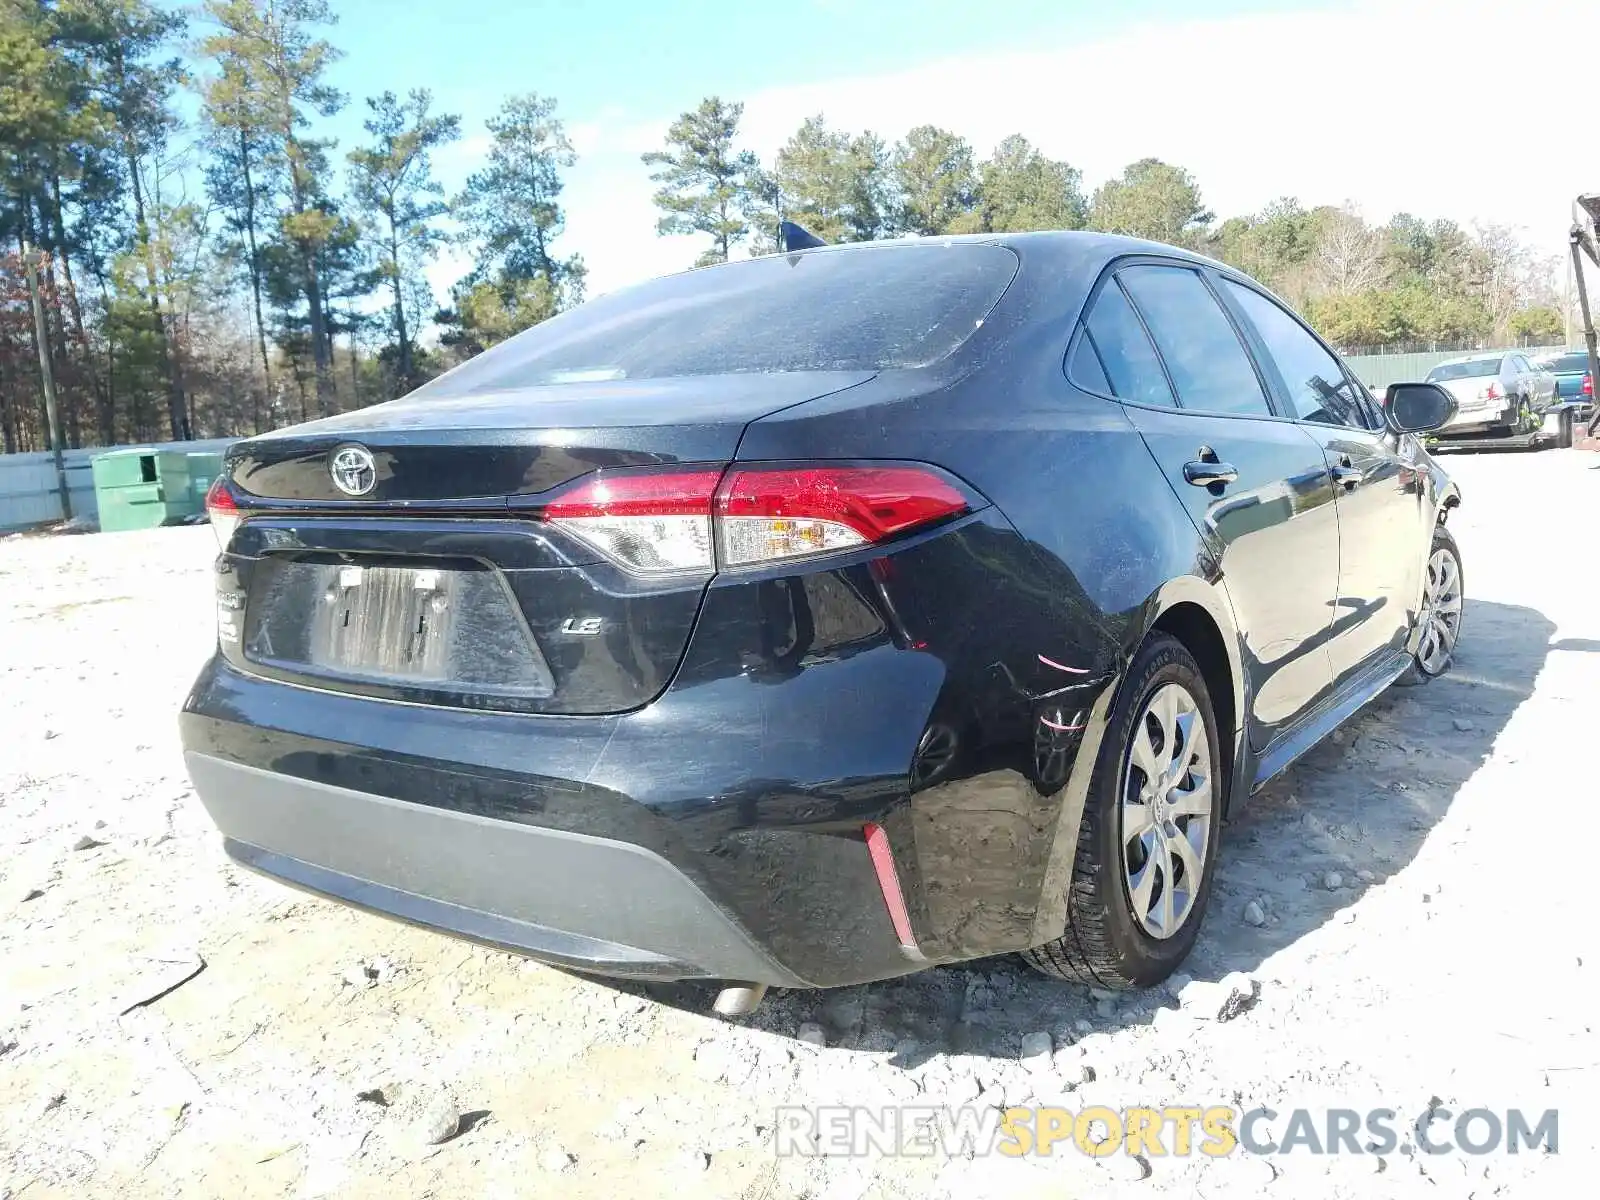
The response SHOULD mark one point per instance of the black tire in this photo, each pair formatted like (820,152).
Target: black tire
(1104,944)
(1415,675)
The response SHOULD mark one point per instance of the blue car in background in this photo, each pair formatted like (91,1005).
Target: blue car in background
(1574,399)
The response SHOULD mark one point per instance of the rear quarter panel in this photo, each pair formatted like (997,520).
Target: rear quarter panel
(1102,547)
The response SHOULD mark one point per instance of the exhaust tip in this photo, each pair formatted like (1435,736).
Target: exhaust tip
(740,1000)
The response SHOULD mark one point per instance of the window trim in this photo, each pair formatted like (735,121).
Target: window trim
(1270,364)
(1108,278)
(1244,342)
(1247,343)
(1081,337)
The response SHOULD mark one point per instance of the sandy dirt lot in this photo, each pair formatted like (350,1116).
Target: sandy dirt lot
(1415,903)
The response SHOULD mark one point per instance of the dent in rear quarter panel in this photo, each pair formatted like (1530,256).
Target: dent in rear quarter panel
(789,725)
(1064,585)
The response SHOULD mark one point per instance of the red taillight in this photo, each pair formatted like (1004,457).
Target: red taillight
(657,522)
(658,494)
(766,514)
(1588,385)
(1492,392)
(223,510)
(889,884)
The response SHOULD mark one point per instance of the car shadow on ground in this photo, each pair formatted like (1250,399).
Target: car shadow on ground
(1351,814)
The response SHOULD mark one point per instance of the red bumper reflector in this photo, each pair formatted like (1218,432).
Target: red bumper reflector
(889,884)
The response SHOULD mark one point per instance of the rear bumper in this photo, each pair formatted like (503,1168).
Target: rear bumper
(622,846)
(568,898)
(719,831)
(1478,418)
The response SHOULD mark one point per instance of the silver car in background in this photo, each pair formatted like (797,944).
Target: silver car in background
(1499,394)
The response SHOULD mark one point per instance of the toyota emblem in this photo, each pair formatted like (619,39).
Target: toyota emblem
(354,473)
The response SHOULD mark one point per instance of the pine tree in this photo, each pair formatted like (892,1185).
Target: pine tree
(1154,200)
(393,185)
(512,208)
(706,185)
(512,214)
(937,182)
(271,48)
(1022,190)
(120,42)
(243,177)
(837,186)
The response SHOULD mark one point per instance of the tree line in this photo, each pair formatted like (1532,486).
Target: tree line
(233,271)
(1409,280)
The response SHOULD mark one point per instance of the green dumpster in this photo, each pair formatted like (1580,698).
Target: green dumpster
(144,487)
(204,467)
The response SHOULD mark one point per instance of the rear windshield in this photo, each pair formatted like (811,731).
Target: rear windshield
(1564,364)
(1477,368)
(864,309)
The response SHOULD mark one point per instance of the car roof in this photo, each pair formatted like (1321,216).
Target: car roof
(1071,260)
(1078,241)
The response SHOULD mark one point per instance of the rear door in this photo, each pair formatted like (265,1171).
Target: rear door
(1384,518)
(1255,485)
(1541,383)
(1513,379)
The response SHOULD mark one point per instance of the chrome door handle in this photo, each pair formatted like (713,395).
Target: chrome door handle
(1347,476)
(1203,473)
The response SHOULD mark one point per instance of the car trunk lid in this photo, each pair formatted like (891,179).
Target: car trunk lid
(437,582)
(452,450)
(1473,393)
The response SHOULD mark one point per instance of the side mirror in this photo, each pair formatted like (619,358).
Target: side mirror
(1418,407)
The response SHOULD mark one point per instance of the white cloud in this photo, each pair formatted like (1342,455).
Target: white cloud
(1457,108)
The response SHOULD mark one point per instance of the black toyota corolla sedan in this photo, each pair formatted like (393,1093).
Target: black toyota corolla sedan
(818,618)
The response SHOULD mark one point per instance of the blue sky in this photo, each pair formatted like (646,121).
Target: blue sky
(1387,104)
(645,57)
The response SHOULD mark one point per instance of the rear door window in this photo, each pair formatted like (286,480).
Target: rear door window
(1124,349)
(1208,363)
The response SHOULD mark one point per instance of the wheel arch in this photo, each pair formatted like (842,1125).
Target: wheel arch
(1446,494)
(1200,616)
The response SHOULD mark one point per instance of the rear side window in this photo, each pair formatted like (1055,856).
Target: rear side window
(1085,369)
(1203,353)
(1128,358)
(872,308)
(1317,385)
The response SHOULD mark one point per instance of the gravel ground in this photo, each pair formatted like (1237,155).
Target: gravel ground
(1412,902)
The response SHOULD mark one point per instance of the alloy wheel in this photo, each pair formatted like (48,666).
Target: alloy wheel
(936,751)
(1441,613)
(1166,810)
